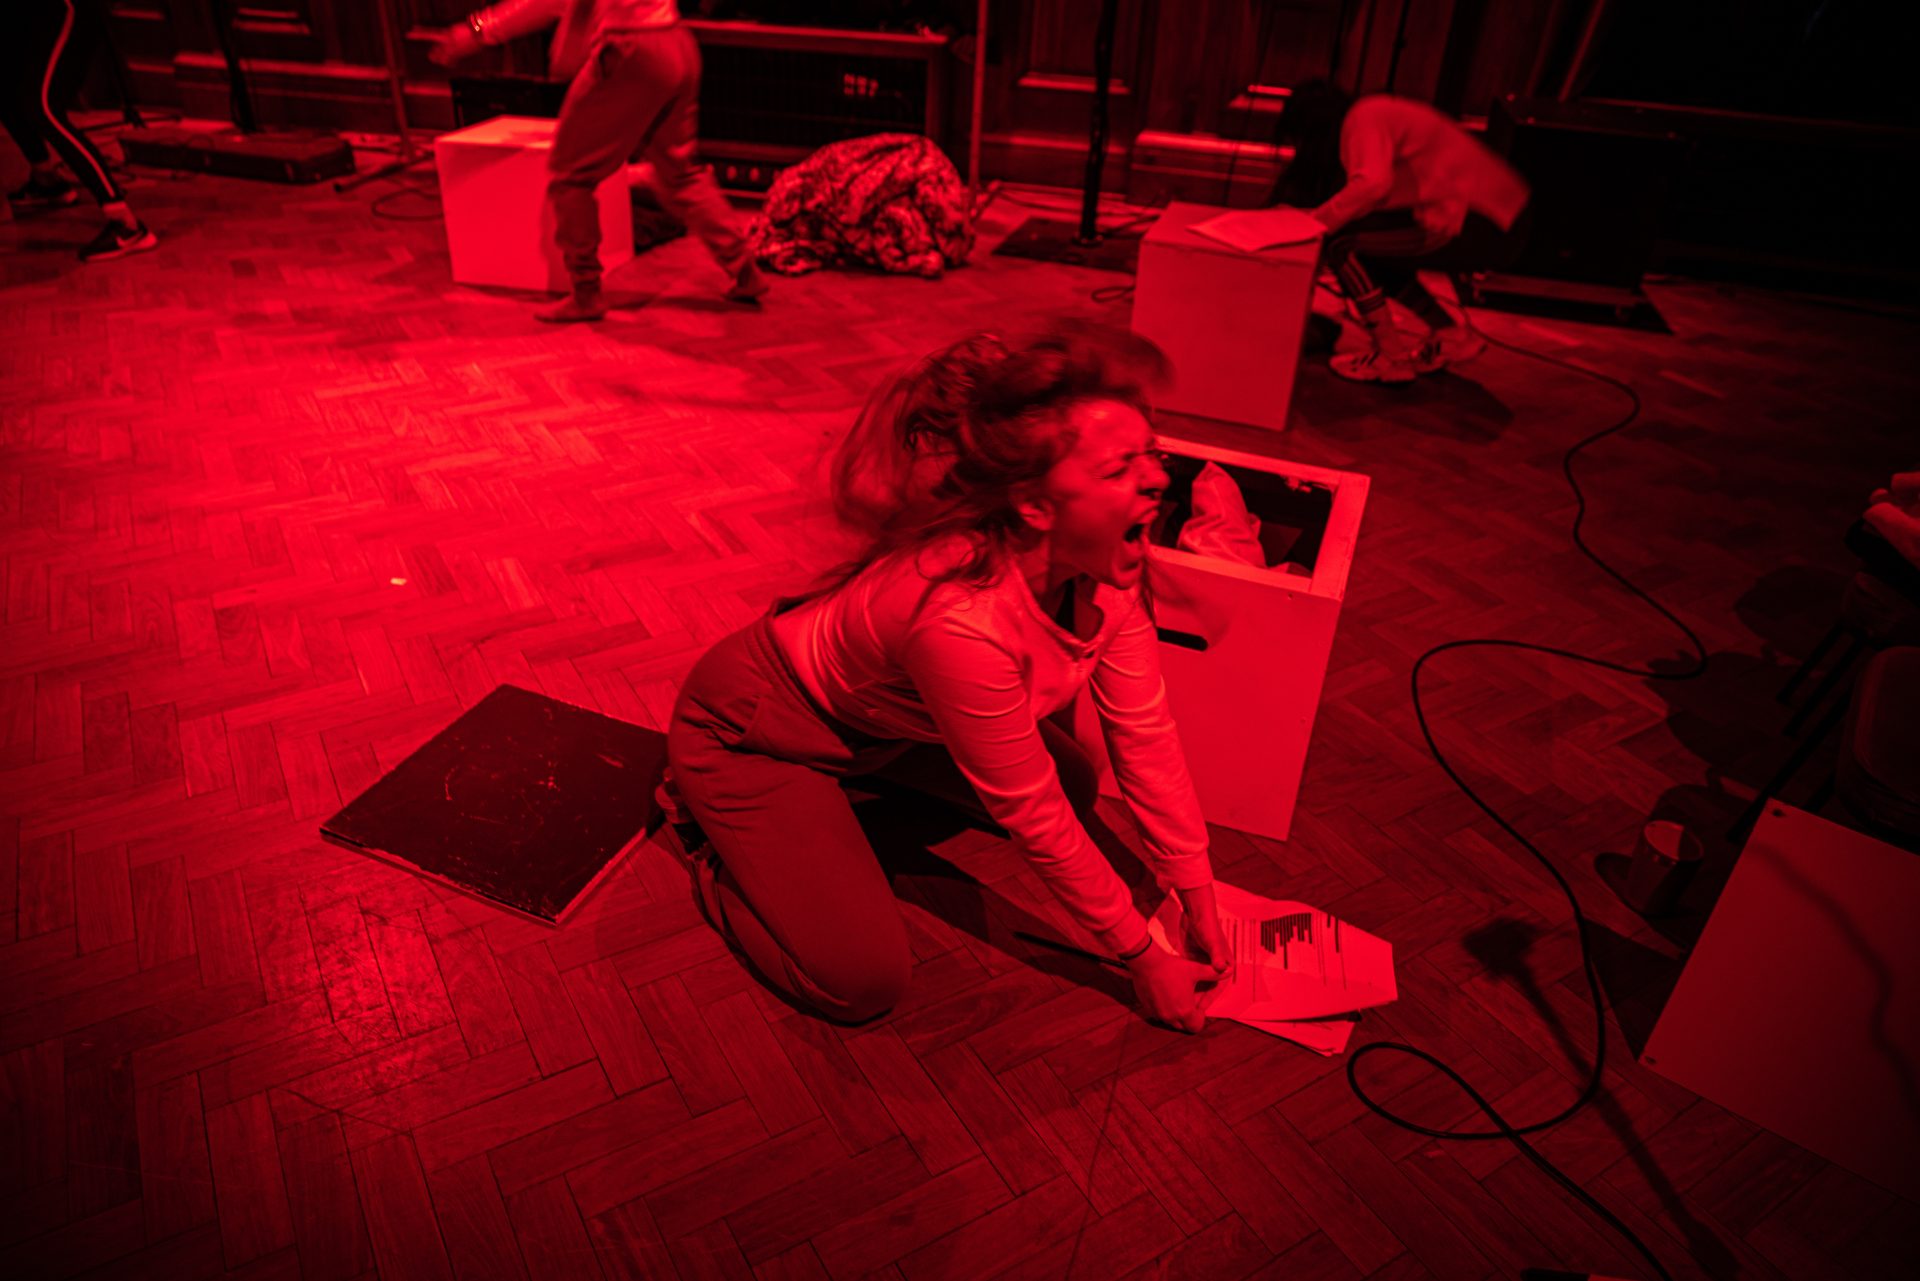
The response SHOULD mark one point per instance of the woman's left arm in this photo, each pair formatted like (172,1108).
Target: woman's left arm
(1130,696)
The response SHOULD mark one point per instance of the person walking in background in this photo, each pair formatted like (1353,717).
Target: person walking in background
(1399,187)
(635,75)
(49,45)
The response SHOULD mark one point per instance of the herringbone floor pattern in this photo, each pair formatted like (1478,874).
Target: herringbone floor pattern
(279,502)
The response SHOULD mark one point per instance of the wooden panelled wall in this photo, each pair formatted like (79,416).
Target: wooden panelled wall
(308,62)
(1196,83)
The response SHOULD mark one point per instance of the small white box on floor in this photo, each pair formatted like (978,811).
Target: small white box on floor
(493,194)
(1244,648)
(1232,322)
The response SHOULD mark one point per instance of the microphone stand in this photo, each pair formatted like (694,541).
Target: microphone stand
(1084,244)
(238,97)
(1097,137)
(410,155)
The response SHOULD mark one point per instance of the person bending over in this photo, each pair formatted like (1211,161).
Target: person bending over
(635,75)
(49,45)
(1399,187)
(1001,492)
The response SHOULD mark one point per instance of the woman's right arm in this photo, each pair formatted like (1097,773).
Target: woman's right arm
(1169,987)
(1366,153)
(511,19)
(972,687)
(490,26)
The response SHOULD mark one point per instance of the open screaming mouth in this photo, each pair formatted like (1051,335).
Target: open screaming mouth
(1135,532)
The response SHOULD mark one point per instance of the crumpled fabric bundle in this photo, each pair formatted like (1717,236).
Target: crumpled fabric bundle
(892,201)
(1220,524)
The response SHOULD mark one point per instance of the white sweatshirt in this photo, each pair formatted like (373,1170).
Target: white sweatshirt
(582,23)
(1402,154)
(976,668)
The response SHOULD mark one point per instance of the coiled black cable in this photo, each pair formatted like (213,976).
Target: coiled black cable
(1502,1128)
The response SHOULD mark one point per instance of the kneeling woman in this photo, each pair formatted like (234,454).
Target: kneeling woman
(1001,492)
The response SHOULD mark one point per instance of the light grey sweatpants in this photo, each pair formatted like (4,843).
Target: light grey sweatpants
(639,91)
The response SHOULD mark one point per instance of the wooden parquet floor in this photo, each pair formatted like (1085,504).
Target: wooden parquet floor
(279,501)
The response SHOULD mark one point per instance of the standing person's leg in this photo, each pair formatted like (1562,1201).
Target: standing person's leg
(685,186)
(1412,293)
(788,876)
(1395,247)
(23,57)
(1446,343)
(74,41)
(609,107)
(1376,261)
(23,61)
(1481,246)
(1388,357)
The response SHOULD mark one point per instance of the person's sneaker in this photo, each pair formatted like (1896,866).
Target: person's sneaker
(115,241)
(1374,366)
(1454,345)
(44,193)
(580,305)
(749,286)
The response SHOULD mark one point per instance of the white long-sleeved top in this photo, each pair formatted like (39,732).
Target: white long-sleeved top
(581,23)
(976,668)
(1402,154)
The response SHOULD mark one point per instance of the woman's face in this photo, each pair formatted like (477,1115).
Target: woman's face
(1096,503)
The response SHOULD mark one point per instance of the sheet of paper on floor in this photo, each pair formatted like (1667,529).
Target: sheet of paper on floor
(1323,1036)
(1298,972)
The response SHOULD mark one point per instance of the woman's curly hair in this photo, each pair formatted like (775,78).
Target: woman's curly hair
(955,443)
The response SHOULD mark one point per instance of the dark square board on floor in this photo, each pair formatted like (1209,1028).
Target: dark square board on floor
(523,802)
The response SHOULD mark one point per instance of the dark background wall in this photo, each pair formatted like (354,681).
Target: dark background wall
(1800,111)
(1187,73)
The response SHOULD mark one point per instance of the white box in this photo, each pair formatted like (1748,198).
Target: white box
(1231,322)
(1245,649)
(493,194)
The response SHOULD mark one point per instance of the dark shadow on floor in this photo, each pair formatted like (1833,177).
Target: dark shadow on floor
(1730,719)
(1503,947)
(904,828)
(1449,404)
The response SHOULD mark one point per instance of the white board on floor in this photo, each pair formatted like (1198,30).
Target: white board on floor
(1800,1006)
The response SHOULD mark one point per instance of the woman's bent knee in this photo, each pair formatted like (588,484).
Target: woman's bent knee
(870,1002)
(863,987)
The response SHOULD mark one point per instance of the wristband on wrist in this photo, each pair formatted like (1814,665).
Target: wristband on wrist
(1137,952)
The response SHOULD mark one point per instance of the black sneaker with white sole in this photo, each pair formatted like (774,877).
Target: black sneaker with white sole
(115,241)
(44,193)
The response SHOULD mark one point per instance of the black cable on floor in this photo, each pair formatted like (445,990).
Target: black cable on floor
(377,206)
(1501,1127)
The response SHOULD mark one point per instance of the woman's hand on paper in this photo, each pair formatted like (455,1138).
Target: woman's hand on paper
(1902,491)
(1205,940)
(1169,988)
(1895,513)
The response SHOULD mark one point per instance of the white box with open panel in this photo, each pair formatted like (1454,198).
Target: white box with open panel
(1245,648)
